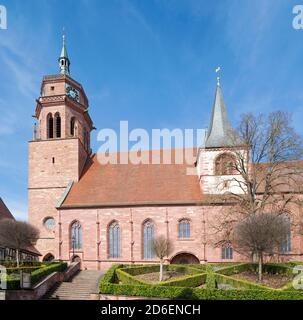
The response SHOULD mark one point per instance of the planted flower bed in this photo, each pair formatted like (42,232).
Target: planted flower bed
(187,276)
(274,275)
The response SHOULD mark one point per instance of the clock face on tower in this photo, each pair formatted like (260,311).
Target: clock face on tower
(72,93)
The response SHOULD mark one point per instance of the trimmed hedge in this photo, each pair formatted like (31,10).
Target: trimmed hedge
(237,283)
(274,268)
(37,275)
(197,266)
(197,293)
(127,278)
(231,294)
(142,269)
(110,276)
(147,291)
(185,269)
(230,270)
(185,287)
(211,282)
(191,278)
(13,283)
(188,281)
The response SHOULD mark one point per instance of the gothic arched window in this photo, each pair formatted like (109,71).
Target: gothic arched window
(148,239)
(184,229)
(76,236)
(285,246)
(72,126)
(227,252)
(225,164)
(114,240)
(50,126)
(58,125)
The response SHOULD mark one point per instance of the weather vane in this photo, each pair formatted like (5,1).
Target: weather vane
(218,78)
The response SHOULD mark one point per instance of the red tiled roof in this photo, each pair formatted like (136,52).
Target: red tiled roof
(4,211)
(130,184)
(143,184)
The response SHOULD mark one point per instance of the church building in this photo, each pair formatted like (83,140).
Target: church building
(102,214)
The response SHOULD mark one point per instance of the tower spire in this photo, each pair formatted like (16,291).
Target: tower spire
(220,130)
(64,61)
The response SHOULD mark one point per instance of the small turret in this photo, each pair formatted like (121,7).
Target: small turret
(64,62)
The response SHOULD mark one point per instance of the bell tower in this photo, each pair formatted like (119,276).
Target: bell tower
(59,149)
(217,159)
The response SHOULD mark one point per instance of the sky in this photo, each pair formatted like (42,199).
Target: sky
(150,62)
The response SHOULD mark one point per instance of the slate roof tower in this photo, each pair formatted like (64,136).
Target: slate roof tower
(219,132)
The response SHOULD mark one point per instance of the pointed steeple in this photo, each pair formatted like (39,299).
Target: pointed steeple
(219,131)
(64,62)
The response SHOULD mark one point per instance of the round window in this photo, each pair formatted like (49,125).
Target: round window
(49,223)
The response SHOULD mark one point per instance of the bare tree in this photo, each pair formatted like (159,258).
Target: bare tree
(17,235)
(265,176)
(261,233)
(162,248)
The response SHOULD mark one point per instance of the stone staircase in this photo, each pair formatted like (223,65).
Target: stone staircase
(79,288)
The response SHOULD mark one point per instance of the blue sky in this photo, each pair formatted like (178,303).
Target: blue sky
(149,62)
